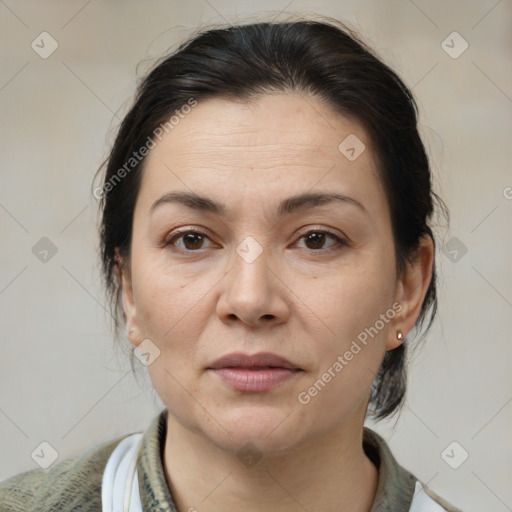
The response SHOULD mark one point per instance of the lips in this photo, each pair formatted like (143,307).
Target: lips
(257,362)
(254,373)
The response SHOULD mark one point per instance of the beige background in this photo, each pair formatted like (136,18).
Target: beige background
(60,379)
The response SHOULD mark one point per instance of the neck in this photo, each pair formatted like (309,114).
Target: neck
(330,473)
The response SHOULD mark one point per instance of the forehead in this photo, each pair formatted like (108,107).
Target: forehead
(289,125)
(278,142)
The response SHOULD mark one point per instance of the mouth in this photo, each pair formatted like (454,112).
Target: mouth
(255,373)
(263,360)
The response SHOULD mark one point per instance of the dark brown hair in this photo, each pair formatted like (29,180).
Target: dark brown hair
(323,59)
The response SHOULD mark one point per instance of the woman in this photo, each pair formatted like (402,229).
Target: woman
(266,245)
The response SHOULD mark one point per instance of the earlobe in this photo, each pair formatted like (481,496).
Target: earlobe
(411,291)
(396,338)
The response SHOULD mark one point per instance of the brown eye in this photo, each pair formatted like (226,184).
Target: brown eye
(315,240)
(193,241)
(190,240)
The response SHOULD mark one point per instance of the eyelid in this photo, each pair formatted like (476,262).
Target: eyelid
(322,229)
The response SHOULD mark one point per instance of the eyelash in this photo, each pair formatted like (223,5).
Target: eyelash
(339,241)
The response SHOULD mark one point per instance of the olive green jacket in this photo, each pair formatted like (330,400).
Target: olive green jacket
(74,484)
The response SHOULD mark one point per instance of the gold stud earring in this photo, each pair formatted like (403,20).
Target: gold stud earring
(399,335)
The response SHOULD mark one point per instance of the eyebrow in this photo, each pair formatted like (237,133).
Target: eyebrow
(286,207)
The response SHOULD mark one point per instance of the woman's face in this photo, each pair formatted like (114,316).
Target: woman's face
(303,279)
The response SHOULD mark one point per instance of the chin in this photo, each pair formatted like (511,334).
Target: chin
(264,426)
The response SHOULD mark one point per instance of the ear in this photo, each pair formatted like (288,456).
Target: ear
(411,290)
(124,277)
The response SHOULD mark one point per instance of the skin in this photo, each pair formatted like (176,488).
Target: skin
(297,299)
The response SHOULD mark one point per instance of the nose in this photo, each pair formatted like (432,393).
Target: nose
(253,293)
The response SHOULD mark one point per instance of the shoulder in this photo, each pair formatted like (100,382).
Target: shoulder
(398,488)
(72,484)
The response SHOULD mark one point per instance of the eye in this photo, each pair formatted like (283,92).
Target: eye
(315,240)
(192,240)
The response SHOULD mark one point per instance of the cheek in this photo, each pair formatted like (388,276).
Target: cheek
(335,394)
(354,305)
(350,297)
(349,355)
(170,313)
(168,301)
